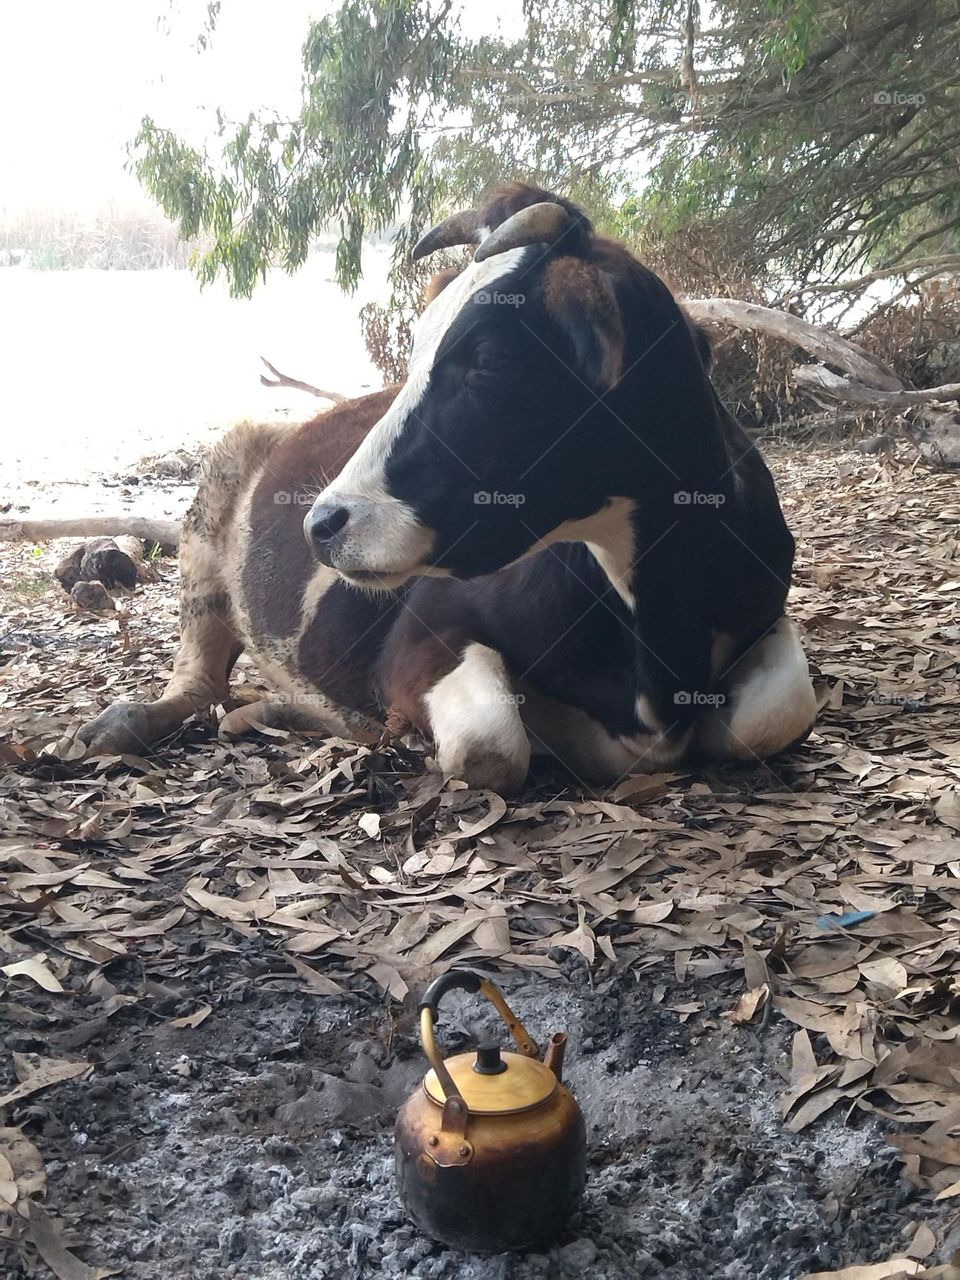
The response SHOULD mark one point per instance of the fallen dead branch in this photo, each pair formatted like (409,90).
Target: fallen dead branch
(869,382)
(163,533)
(812,377)
(826,345)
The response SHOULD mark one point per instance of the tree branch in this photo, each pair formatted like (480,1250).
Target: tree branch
(165,533)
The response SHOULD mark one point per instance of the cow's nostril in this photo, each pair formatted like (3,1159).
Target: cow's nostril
(324,522)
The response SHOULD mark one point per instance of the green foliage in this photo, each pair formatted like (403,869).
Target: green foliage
(349,159)
(799,141)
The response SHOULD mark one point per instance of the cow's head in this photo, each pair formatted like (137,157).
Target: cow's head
(545,381)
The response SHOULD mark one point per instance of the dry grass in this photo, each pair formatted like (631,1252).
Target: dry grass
(113,238)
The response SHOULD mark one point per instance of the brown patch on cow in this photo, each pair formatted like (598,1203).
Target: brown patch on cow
(439,282)
(576,293)
(278,563)
(616,260)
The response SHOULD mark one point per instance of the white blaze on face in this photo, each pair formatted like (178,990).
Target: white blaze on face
(383,535)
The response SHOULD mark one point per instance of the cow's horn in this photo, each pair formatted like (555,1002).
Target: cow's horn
(460,228)
(536,224)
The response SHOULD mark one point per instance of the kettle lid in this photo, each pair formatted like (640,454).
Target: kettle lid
(494,1083)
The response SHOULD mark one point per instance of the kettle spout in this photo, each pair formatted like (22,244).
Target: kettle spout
(553,1058)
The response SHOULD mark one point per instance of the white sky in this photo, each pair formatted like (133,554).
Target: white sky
(76,77)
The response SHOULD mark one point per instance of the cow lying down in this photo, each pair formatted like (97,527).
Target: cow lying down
(553,538)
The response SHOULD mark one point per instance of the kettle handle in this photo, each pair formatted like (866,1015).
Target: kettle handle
(465,980)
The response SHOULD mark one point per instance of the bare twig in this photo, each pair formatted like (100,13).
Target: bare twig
(282,380)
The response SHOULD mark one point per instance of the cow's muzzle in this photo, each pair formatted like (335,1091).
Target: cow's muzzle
(369,543)
(323,526)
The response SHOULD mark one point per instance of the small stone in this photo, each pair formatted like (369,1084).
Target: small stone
(67,572)
(538,1264)
(106,562)
(576,1258)
(416,1252)
(92,596)
(274,1145)
(326,1198)
(875,444)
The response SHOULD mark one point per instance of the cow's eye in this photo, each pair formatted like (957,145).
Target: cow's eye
(490,360)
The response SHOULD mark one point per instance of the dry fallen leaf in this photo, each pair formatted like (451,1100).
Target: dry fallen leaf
(317,982)
(891,1270)
(369,824)
(65,1265)
(36,968)
(746,1007)
(888,972)
(46,1072)
(194,1019)
(923,1243)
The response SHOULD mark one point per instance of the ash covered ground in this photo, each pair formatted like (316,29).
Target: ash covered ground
(259,1146)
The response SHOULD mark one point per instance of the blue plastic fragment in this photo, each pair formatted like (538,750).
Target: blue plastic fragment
(833,921)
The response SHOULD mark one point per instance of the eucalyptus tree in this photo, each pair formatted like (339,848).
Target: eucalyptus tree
(809,145)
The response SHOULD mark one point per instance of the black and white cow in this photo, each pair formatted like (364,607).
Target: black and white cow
(599,556)
(552,538)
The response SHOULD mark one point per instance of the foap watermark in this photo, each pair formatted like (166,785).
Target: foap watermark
(494,298)
(502,699)
(484,498)
(898,98)
(908,701)
(696,698)
(294,698)
(686,498)
(703,102)
(293,498)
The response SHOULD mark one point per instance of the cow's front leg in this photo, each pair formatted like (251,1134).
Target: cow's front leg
(462,696)
(210,644)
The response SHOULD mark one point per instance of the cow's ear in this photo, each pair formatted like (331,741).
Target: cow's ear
(580,298)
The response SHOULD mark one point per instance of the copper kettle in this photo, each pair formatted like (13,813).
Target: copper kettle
(491,1149)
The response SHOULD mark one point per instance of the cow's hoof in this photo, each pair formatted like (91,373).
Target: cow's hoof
(126,728)
(483,769)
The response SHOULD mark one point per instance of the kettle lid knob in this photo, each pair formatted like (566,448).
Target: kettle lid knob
(489,1062)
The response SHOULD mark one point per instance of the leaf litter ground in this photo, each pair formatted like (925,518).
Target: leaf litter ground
(210,957)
